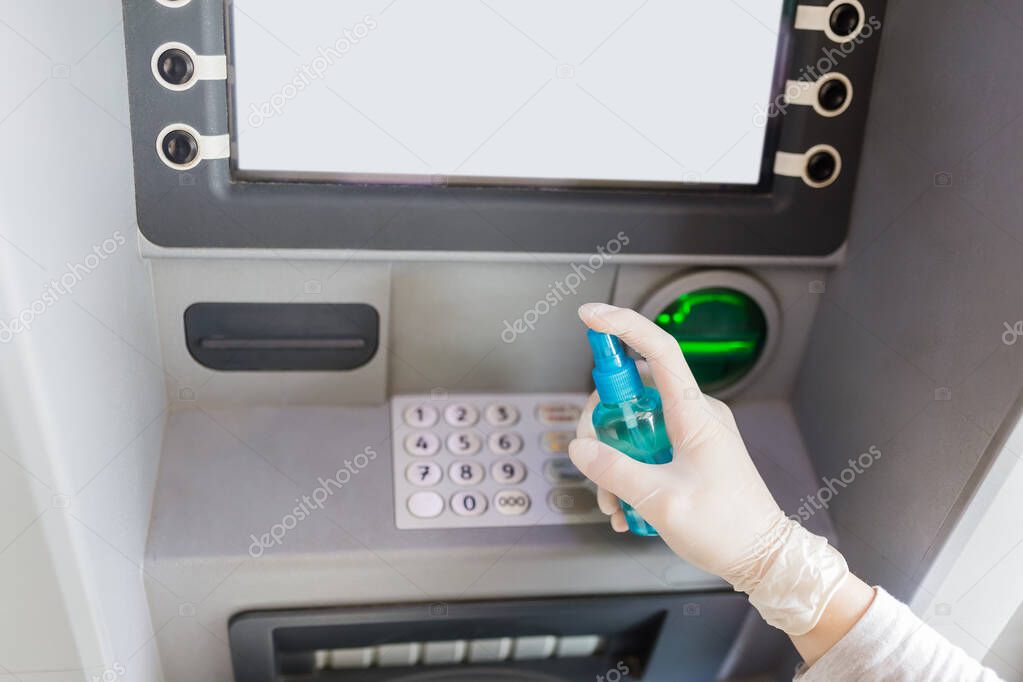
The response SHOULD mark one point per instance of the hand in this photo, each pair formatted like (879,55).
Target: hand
(709,504)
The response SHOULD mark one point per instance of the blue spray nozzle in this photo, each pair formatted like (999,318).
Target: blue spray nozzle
(614,372)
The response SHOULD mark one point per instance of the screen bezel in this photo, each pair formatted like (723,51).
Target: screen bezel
(763,185)
(782,220)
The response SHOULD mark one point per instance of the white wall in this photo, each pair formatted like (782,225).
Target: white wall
(972,594)
(81,389)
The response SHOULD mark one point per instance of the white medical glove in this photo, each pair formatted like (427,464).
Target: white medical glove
(709,504)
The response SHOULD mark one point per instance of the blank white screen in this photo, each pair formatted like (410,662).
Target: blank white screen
(572,90)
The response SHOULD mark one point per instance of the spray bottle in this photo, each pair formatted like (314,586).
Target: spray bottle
(629,416)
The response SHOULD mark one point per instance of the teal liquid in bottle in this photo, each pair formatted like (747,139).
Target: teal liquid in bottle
(629,416)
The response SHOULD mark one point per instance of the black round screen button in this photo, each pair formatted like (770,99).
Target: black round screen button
(180,147)
(175,66)
(845,19)
(833,95)
(821,167)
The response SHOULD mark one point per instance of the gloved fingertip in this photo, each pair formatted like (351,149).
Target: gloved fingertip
(619,522)
(588,311)
(607,502)
(582,452)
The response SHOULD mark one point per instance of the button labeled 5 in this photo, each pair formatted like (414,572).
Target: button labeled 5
(464,443)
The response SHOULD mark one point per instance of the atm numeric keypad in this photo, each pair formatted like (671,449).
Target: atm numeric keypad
(477,461)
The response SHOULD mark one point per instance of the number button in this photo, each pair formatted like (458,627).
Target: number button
(461,414)
(422,444)
(500,414)
(508,472)
(558,414)
(511,502)
(421,416)
(426,504)
(466,473)
(506,443)
(424,474)
(464,443)
(468,503)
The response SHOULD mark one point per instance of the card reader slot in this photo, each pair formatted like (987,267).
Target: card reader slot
(282,344)
(283,337)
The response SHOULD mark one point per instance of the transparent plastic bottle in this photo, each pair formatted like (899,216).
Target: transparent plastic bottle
(629,416)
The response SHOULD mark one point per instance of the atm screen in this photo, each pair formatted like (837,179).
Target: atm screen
(504,92)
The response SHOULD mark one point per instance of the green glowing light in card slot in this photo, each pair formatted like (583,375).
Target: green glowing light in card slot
(722,333)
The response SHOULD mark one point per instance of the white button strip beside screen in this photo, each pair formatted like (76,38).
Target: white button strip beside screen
(479,461)
(638,91)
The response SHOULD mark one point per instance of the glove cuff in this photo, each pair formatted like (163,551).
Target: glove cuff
(790,576)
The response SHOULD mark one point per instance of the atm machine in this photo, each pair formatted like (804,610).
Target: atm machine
(367,226)
(370,224)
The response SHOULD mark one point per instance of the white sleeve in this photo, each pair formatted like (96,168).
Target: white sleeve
(890,643)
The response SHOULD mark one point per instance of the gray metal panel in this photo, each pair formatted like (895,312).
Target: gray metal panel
(206,208)
(907,353)
(228,475)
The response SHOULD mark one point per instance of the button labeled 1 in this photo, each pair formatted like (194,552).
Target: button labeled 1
(421,416)
(511,502)
(508,472)
(466,473)
(468,503)
(424,474)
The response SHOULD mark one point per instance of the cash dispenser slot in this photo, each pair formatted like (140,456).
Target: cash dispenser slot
(650,637)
